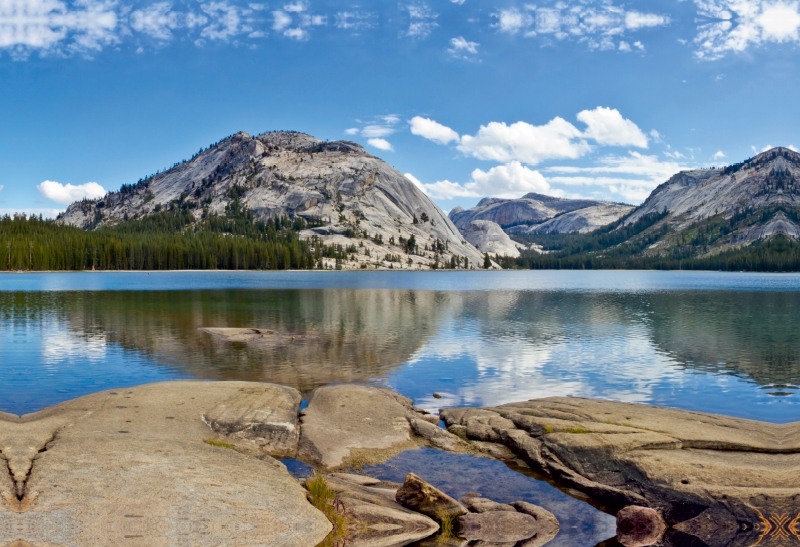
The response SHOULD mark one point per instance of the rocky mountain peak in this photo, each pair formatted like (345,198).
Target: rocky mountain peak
(352,198)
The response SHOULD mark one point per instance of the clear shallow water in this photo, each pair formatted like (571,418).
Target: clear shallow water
(726,343)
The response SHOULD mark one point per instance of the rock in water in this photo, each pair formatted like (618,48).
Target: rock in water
(375,518)
(546,521)
(496,526)
(348,421)
(265,415)
(358,199)
(437,436)
(418,495)
(639,526)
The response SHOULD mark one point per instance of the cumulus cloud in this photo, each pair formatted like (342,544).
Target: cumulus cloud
(380,144)
(422,20)
(157,20)
(597,25)
(631,178)
(68,193)
(521,141)
(379,127)
(226,21)
(718,155)
(431,130)
(511,180)
(416,182)
(736,25)
(533,144)
(606,126)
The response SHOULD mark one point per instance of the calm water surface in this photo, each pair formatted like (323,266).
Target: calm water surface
(726,343)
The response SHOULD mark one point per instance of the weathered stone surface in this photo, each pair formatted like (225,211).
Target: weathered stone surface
(639,526)
(130,467)
(375,518)
(362,480)
(437,436)
(418,495)
(349,422)
(489,237)
(681,463)
(496,526)
(546,522)
(264,414)
(484,505)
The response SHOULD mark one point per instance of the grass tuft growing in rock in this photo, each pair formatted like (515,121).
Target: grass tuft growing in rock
(324,499)
(219,443)
(576,430)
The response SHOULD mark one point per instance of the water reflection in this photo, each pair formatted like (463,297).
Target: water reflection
(718,351)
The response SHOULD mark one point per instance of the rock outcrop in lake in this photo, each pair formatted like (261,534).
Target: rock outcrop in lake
(725,481)
(350,197)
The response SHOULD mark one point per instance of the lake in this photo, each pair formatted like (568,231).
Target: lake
(724,343)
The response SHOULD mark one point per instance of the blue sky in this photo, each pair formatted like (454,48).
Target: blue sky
(601,99)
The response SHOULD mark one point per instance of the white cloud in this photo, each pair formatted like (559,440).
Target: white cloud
(226,21)
(416,182)
(352,131)
(1,187)
(377,131)
(459,2)
(513,20)
(737,25)
(608,127)
(461,47)
(157,20)
(281,20)
(294,22)
(624,46)
(630,177)
(53,25)
(511,180)
(422,20)
(353,20)
(583,21)
(68,193)
(718,155)
(524,142)
(380,144)
(438,133)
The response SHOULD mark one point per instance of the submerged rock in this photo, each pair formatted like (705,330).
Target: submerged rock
(496,526)
(639,526)
(418,495)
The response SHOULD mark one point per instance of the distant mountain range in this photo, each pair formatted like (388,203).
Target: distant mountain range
(348,197)
(742,217)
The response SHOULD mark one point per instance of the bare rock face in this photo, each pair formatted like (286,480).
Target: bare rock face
(580,221)
(140,467)
(709,476)
(639,526)
(437,436)
(528,210)
(360,199)
(767,184)
(348,422)
(418,495)
(264,414)
(489,237)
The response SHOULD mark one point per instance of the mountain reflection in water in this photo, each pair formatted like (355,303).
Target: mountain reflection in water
(719,351)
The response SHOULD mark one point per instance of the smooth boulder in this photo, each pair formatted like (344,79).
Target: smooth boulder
(351,424)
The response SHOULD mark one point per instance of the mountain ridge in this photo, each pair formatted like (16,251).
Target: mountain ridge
(350,197)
